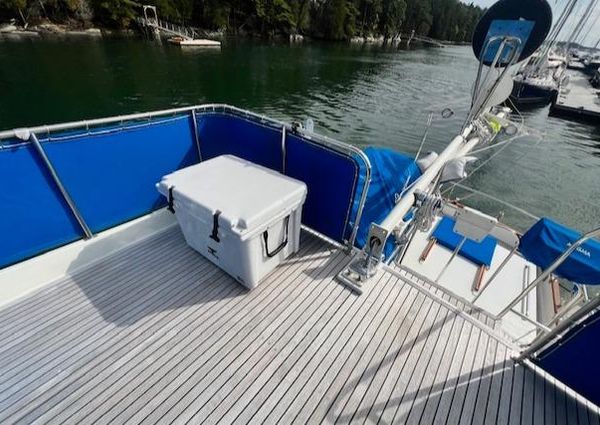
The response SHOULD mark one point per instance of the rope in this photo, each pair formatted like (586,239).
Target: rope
(425,214)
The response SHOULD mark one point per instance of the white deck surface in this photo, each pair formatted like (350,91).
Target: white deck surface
(157,334)
(460,275)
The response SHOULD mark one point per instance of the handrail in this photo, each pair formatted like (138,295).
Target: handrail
(318,138)
(584,238)
(559,329)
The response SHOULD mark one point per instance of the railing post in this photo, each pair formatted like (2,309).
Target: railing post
(283,148)
(40,150)
(562,327)
(196,136)
(550,269)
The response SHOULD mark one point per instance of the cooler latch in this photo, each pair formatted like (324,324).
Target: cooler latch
(215,230)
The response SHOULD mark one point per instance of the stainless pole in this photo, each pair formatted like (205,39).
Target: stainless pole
(196,137)
(550,269)
(454,253)
(283,149)
(579,314)
(40,150)
(496,273)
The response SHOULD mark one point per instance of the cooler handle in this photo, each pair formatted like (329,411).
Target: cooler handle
(283,244)
(170,200)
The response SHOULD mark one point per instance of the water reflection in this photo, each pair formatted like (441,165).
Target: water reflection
(360,94)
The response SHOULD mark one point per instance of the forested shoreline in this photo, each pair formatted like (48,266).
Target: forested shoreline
(449,20)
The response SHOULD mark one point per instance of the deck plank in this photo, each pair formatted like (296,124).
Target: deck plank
(310,359)
(484,398)
(351,412)
(458,380)
(419,358)
(425,407)
(313,363)
(561,404)
(539,399)
(516,402)
(155,333)
(464,399)
(343,379)
(504,404)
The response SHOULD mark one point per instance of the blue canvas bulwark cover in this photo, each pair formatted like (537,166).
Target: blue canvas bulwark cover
(547,240)
(573,359)
(390,173)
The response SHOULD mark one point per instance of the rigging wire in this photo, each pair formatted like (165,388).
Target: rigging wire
(502,146)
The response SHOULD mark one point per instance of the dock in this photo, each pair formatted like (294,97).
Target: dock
(178,34)
(578,99)
(156,334)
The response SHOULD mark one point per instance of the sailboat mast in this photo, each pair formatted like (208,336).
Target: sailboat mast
(582,22)
(552,37)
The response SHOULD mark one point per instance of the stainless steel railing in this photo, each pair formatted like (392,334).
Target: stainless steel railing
(193,111)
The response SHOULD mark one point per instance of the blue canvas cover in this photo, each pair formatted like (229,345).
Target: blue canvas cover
(110,173)
(480,253)
(574,358)
(391,172)
(330,176)
(547,240)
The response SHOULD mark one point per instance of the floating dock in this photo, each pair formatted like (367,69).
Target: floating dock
(196,42)
(576,65)
(578,99)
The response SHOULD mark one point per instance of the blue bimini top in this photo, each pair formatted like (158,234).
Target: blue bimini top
(480,253)
(547,240)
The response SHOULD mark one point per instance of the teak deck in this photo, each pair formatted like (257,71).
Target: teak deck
(157,334)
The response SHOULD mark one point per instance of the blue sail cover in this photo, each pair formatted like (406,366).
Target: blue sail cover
(390,173)
(547,240)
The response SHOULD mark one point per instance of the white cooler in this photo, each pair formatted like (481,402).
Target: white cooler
(243,217)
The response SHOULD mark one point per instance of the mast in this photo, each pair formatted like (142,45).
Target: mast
(582,22)
(552,37)
(496,53)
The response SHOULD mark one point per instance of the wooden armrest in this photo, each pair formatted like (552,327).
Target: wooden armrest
(427,250)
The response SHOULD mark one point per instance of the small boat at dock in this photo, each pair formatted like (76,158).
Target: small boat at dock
(193,42)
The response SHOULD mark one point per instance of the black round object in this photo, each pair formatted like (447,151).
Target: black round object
(538,11)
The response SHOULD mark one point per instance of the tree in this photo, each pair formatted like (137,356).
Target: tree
(370,12)
(15,6)
(114,13)
(392,17)
(273,15)
(328,19)
(300,15)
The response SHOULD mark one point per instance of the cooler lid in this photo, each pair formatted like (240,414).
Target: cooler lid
(247,195)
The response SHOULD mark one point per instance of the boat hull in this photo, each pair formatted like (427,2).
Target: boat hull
(183,42)
(530,94)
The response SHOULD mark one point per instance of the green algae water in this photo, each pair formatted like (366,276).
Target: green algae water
(364,96)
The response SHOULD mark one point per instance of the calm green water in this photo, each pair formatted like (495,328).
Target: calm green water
(364,96)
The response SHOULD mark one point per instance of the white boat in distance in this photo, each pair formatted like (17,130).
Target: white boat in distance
(193,42)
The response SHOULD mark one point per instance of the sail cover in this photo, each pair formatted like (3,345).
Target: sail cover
(391,172)
(547,240)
